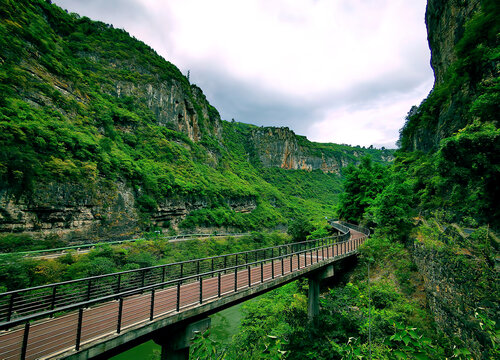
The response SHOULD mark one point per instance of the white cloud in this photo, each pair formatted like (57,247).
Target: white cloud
(366,124)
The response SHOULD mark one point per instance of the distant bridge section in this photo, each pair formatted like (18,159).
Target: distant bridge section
(95,316)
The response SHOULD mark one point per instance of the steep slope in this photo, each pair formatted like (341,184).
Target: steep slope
(101,137)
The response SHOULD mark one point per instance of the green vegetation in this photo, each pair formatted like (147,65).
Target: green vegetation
(70,126)
(75,123)
(431,291)
(18,272)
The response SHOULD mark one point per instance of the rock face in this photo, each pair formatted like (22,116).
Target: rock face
(173,104)
(452,294)
(460,78)
(172,107)
(445,21)
(280,147)
(74,214)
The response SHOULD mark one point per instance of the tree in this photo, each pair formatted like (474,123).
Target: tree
(361,186)
(299,228)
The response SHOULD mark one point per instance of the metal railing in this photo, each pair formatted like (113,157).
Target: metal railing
(358,228)
(179,237)
(107,304)
(53,296)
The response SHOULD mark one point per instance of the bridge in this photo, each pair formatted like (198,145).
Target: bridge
(99,316)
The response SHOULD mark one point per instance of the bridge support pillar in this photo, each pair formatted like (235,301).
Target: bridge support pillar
(313,299)
(175,340)
(313,293)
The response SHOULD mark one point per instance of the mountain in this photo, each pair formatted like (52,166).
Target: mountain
(103,138)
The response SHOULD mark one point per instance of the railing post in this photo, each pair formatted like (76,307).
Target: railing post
(262,271)
(120,315)
(246,258)
(291,262)
(182,270)
(235,278)
(118,284)
(143,279)
(79,329)
(282,265)
(218,285)
(201,289)
(272,268)
(53,299)
(25,340)
(11,306)
(89,287)
(298,260)
(305,258)
(152,308)
(178,302)
(249,276)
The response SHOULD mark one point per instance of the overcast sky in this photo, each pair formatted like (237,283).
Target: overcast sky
(343,71)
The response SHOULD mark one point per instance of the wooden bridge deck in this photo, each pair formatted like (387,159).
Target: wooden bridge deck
(56,337)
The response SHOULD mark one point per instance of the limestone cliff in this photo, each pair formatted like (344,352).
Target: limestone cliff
(460,280)
(281,147)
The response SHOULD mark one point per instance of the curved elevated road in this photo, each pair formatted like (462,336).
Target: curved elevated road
(66,335)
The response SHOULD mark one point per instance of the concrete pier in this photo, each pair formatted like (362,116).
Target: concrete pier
(175,340)
(313,293)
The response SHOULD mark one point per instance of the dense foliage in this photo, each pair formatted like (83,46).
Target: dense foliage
(18,272)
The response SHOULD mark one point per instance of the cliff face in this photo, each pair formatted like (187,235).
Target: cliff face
(170,102)
(445,21)
(281,147)
(278,147)
(462,38)
(460,281)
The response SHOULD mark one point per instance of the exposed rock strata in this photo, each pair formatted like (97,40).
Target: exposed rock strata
(71,213)
(280,147)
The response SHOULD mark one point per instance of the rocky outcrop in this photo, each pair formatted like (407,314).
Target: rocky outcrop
(173,107)
(280,147)
(456,287)
(462,71)
(445,21)
(72,212)
(75,214)
(172,103)
(171,211)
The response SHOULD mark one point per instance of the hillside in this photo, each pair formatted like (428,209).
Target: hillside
(103,138)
